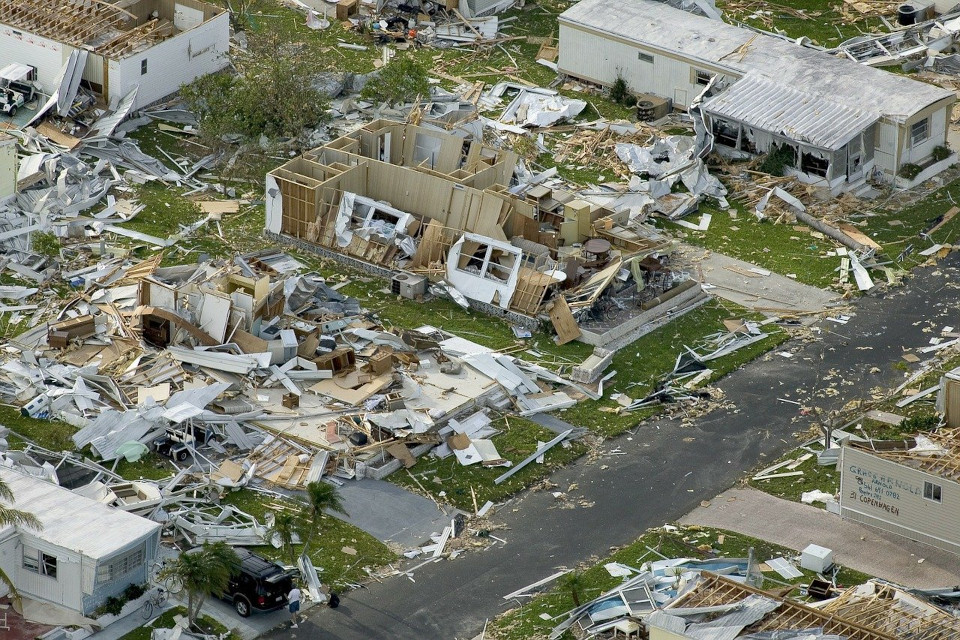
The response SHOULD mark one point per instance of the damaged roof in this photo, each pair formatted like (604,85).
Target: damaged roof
(658,26)
(74,522)
(761,103)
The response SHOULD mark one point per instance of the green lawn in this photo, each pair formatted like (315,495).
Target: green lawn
(687,542)
(166,621)
(820,20)
(643,364)
(336,567)
(781,248)
(517,441)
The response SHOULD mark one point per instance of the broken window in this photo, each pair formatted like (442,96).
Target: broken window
(919,132)
(814,165)
(120,566)
(485,262)
(702,77)
(645,57)
(726,133)
(932,491)
(39,562)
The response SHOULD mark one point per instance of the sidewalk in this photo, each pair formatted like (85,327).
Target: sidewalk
(796,525)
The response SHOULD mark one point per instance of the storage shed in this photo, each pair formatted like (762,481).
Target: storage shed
(909,487)
(841,122)
(155,45)
(85,552)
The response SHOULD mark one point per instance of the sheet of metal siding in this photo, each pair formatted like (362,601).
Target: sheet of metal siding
(783,110)
(591,57)
(935,523)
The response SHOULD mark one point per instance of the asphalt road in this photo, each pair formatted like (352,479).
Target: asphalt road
(669,467)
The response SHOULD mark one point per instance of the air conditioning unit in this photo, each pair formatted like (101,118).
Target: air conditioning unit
(408,285)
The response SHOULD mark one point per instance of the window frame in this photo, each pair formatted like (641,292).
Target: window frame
(121,565)
(925,125)
(143,67)
(645,57)
(702,77)
(932,492)
(39,562)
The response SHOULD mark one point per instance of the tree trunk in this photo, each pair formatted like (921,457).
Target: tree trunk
(191,616)
(196,614)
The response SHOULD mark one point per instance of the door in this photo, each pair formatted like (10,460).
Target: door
(680,98)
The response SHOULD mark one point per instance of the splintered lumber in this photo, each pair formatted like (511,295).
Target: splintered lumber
(533,456)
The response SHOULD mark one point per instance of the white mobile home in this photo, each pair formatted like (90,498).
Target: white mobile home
(908,487)
(156,45)
(85,552)
(843,121)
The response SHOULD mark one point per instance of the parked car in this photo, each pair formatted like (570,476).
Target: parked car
(259,584)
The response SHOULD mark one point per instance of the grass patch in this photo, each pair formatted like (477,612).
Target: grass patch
(49,434)
(686,542)
(780,248)
(336,567)
(166,621)
(642,365)
(822,21)
(517,441)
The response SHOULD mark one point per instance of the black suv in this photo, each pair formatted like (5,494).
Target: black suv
(260,585)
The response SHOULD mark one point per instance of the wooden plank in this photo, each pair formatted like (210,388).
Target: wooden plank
(563,322)
(947,217)
(858,235)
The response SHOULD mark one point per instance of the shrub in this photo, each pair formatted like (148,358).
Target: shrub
(910,170)
(916,424)
(403,80)
(941,152)
(778,159)
(619,91)
(134,591)
(112,606)
(272,96)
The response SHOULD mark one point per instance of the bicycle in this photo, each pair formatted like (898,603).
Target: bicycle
(154,600)
(171,583)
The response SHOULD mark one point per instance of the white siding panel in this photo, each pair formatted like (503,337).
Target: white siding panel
(600,59)
(889,496)
(46,55)
(173,62)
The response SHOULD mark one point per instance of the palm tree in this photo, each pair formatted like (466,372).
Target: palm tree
(574,582)
(203,570)
(321,497)
(14,517)
(285,528)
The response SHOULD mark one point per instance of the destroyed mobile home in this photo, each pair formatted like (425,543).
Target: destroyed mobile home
(672,598)
(418,205)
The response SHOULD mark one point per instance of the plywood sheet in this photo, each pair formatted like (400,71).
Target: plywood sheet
(563,322)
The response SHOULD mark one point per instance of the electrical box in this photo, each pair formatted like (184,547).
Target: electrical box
(816,558)
(408,285)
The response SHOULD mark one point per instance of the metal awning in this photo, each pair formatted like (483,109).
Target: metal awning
(793,114)
(15,72)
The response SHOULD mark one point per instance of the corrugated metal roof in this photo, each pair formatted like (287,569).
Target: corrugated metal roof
(656,25)
(775,108)
(74,522)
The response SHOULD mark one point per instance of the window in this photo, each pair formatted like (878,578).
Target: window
(813,164)
(120,566)
(48,565)
(932,491)
(143,67)
(39,562)
(702,77)
(919,131)
(645,57)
